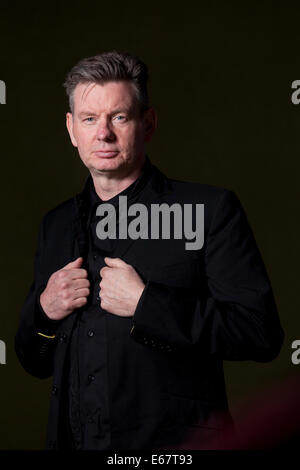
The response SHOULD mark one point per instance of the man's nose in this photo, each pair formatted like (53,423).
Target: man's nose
(103,131)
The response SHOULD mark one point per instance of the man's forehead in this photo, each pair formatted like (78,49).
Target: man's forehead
(108,94)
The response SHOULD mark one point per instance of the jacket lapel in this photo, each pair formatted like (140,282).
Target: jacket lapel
(157,186)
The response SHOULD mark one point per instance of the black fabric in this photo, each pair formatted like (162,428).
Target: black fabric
(88,320)
(146,380)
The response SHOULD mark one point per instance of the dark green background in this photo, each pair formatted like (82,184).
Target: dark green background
(220,79)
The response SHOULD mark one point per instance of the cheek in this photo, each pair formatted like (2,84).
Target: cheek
(83,140)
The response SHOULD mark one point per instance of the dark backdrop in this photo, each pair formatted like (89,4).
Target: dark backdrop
(220,79)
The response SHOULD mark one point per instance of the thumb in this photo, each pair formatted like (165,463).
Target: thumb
(74,264)
(115,262)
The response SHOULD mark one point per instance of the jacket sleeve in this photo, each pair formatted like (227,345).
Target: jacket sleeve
(233,313)
(35,339)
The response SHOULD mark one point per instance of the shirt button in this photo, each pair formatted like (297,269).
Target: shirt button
(52,444)
(95,256)
(54,390)
(77,444)
(91,377)
(63,338)
(91,333)
(90,418)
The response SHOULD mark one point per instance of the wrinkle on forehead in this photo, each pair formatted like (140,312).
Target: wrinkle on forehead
(114,97)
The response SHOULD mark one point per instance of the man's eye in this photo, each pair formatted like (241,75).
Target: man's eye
(120,118)
(89,119)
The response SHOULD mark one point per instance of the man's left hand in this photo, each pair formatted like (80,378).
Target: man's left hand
(120,287)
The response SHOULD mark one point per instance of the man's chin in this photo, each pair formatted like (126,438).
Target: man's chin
(106,167)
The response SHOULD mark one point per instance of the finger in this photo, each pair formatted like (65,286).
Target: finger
(80,302)
(74,264)
(115,262)
(85,292)
(104,303)
(103,271)
(80,283)
(78,273)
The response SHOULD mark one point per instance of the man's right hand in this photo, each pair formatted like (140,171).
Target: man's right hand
(66,290)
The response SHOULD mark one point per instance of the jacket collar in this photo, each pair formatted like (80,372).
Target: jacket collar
(149,187)
(152,178)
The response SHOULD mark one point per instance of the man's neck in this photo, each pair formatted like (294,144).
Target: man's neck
(109,185)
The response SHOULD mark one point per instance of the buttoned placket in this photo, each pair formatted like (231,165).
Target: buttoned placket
(92,346)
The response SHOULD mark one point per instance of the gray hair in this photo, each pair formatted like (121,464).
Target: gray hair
(107,67)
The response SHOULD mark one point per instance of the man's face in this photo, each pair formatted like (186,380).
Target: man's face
(108,127)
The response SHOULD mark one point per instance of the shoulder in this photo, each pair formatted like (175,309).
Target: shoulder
(201,192)
(61,215)
(220,204)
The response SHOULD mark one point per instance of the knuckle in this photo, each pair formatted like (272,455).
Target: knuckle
(61,274)
(65,295)
(104,271)
(66,304)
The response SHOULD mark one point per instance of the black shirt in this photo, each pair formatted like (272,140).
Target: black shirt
(86,410)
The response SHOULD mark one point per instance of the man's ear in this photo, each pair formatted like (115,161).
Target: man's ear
(69,123)
(150,121)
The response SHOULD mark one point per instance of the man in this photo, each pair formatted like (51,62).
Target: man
(134,329)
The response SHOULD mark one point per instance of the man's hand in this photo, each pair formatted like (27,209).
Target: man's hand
(121,287)
(67,289)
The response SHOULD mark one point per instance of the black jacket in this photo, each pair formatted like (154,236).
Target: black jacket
(199,307)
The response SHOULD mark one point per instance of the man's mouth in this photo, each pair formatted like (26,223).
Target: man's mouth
(106,153)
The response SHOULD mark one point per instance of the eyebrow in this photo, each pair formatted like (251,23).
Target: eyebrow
(115,111)
(121,110)
(86,113)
